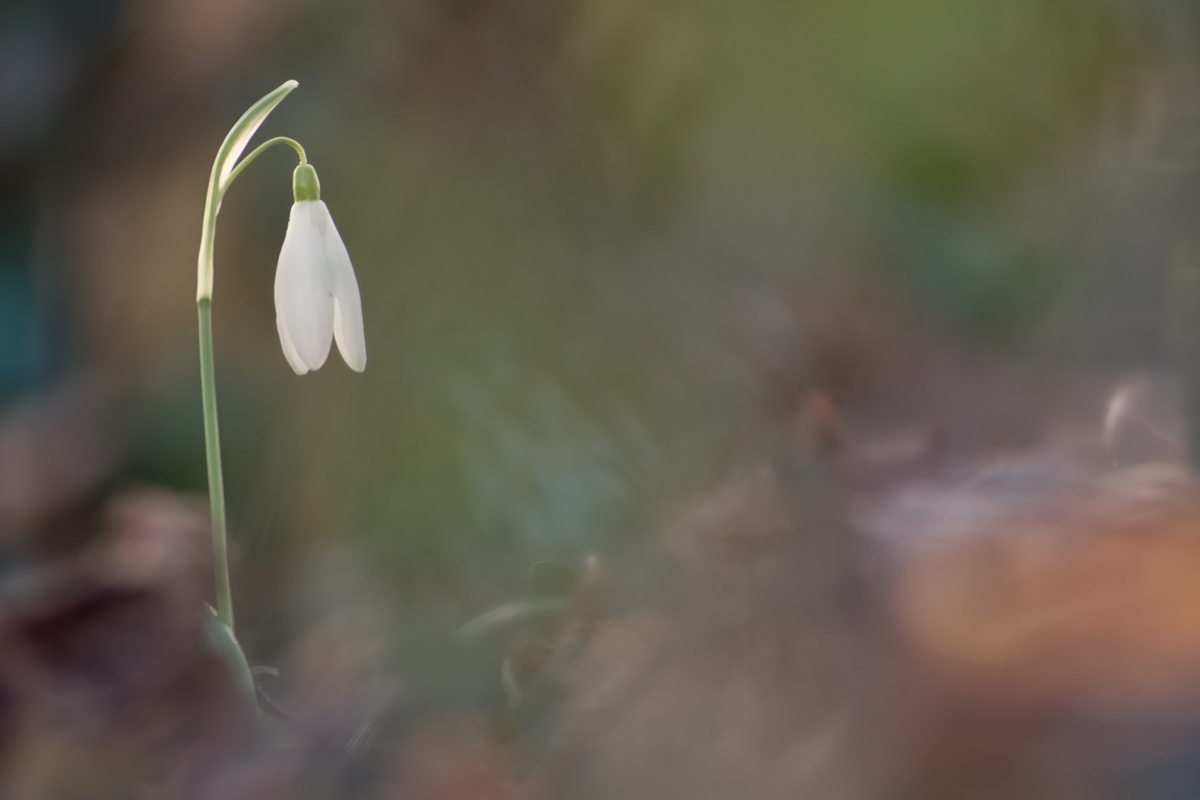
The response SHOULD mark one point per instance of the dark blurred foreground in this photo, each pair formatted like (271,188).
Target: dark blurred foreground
(847,618)
(765,401)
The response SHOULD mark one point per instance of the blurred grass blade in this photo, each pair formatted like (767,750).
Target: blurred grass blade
(508,679)
(508,618)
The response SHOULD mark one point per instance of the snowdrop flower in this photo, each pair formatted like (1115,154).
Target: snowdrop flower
(316,293)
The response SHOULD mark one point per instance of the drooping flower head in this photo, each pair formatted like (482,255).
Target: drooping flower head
(316,292)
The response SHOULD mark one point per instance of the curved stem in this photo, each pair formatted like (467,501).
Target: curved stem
(223,174)
(255,153)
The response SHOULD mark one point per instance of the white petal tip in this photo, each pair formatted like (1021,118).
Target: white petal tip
(289,350)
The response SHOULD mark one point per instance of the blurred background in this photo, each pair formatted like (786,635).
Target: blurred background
(692,298)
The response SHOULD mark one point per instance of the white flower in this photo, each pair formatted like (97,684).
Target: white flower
(316,293)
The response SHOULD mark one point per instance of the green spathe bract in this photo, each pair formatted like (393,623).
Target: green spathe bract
(226,168)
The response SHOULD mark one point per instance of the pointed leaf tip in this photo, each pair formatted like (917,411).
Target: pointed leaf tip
(245,128)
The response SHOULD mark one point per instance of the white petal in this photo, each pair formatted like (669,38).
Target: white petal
(289,349)
(347,305)
(303,296)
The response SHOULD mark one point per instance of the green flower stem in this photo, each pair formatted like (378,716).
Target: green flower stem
(212,452)
(256,152)
(223,174)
